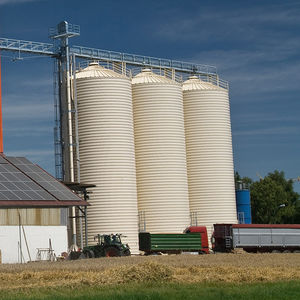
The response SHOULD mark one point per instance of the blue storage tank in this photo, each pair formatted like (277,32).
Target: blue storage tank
(243,206)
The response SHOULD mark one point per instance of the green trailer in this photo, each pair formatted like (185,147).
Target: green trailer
(170,242)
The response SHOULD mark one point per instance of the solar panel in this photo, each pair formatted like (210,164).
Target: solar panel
(2,160)
(14,185)
(44,179)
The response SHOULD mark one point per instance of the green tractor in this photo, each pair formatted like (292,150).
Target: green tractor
(108,245)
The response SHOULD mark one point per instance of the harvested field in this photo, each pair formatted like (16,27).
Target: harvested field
(176,268)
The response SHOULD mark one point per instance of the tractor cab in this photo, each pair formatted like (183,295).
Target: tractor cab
(108,239)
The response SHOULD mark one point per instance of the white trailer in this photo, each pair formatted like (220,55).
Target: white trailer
(257,237)
(267,237)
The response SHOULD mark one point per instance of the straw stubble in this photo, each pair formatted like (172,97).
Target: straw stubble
(237,268)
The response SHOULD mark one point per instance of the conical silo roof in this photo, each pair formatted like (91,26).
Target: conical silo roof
(194,83)
(93,70)
(148,77)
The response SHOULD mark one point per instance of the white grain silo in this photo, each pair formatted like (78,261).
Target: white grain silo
(105,126)
(209,152)
(160,153)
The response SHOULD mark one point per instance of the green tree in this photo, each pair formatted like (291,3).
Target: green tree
(273,200)
(246,181)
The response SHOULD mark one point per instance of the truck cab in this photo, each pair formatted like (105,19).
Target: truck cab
(204,238)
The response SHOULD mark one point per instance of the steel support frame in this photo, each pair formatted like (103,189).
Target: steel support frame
(57,126)
(104,55)
(27,47)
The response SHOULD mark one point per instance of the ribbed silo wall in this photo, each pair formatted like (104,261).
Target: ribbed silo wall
(107,159)
(160,153)
(209,153)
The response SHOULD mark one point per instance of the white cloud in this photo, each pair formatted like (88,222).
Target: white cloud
(28,131)
(284,130)
(27,111)
(7,2)
(259,117)
(269,70)
(224,25)
(30,152)
(40,83)
(28,106)
(255,49)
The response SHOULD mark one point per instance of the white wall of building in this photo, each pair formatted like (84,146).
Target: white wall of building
(37,237)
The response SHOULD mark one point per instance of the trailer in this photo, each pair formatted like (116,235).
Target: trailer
(194,239)
(254,238)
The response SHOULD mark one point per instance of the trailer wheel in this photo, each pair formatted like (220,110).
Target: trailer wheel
(112,252)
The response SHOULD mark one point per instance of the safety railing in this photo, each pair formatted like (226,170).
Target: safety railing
(140,60)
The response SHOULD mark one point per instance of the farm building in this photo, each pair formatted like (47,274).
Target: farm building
(33,211)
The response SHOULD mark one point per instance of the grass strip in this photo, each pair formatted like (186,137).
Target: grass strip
(158,291)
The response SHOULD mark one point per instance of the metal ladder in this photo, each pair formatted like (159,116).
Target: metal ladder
(142,221)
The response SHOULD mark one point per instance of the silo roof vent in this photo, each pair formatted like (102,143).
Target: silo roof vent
(93,63)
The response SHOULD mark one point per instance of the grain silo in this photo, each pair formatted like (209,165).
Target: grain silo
(160,153)
(209,153)
(106,144)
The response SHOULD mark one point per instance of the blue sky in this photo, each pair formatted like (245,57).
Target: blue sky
(254,45)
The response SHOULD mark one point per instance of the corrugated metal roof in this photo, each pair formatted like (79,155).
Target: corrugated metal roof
(24,184)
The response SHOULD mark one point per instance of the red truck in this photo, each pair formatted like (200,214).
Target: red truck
(204,238)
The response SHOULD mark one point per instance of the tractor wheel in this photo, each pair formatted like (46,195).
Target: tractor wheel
(89,254)
(74,255)
(112,251)
(126,252)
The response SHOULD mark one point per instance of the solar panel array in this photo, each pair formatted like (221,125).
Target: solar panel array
(14,185)
(22,180)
